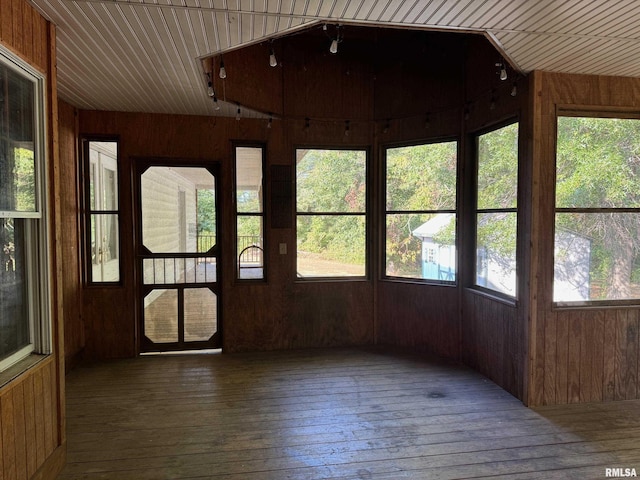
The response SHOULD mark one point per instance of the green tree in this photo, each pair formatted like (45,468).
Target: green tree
(598,167)
(419,179)
(331,184)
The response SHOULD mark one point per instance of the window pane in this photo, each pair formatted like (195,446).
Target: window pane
(250,247)
(200,314)
(161,316)
(14,312)
(178,210)
(331,181)
(171,270)
(331,245)
(496,251)
(422,177)
(598,163)
(105,256)
(597,256)
(17,143)
(421,246)
(498,168)
(249,179)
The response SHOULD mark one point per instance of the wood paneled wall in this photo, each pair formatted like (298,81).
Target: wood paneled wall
(387,99)
(578,355)
(70,232)
(24,31)
(32,404)
(29,426)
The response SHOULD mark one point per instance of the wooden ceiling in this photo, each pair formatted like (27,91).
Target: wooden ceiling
(145,55)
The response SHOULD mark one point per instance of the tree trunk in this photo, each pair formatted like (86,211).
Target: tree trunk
(620,281)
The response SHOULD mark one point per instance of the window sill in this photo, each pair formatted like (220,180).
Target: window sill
(20,367)
(419,281)
(511,302)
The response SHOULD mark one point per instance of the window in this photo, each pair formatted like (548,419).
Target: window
(24,274)
(103,217)
(496,213)
(331,218)
(597,220)
(420,241)
(250,212)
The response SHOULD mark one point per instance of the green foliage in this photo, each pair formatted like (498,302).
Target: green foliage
(498,168)
(418,178)
(206,212)
(332,181)
(598,166)
(24,180)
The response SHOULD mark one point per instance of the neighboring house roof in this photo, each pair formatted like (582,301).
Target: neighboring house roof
(434,226)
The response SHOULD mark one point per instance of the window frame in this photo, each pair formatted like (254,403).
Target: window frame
(385,212)
(88,212)
(366,214)
(595,112)
(36,224)
(475,139)
(262,215)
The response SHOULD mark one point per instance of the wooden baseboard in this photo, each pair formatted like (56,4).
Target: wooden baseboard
(52,465)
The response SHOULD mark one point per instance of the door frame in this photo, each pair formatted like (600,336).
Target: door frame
(139,165)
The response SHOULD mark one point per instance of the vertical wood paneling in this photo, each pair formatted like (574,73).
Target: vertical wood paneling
(626,355)
(490,341)
(8,443)
(609,361)
(39,417)
(550,359)
(573,358)
(25,411)
(7,21)
(19,436)
(30,431)
(597,350)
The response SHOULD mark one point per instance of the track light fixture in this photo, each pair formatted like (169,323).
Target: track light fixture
(514,90)
(223,71)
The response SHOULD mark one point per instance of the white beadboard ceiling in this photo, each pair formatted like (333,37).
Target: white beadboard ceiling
(144,55)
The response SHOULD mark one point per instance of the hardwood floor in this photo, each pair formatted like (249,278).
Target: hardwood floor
(328,414)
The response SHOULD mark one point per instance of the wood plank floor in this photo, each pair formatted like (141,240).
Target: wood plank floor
(328,414)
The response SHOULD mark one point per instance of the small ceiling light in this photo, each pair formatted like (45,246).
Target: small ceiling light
(335,40)
(210,90)
(273,61)
(223,71)
(270,122)
(514,90)
(503,71)
(334,46)
(216,105)
(238,113)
